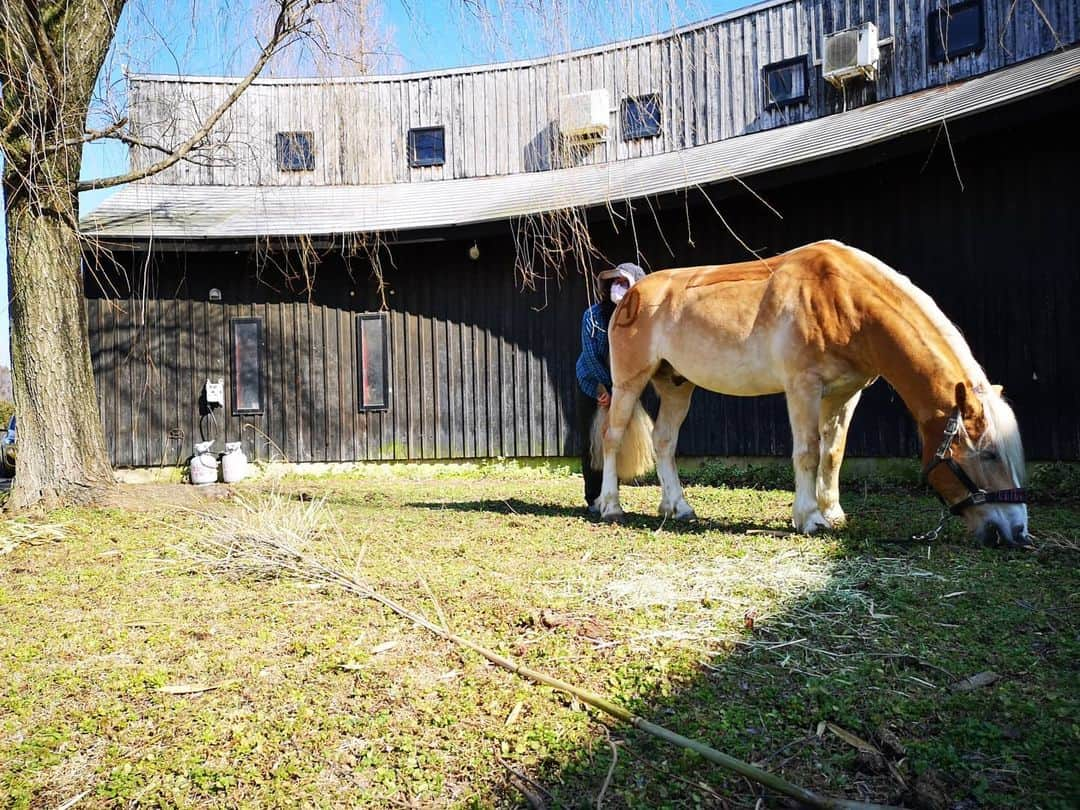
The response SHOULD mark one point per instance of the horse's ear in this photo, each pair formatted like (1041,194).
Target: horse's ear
(961,396)
(965,403)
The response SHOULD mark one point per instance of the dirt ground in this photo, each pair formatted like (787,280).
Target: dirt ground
(152,496)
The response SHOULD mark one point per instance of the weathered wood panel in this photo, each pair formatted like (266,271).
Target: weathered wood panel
(709,78)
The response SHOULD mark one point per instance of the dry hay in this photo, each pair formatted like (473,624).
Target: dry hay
(738,582)
(756,599)
(269,535)
(14,532)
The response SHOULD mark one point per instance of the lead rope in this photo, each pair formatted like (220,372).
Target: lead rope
(926,537)
(931,535)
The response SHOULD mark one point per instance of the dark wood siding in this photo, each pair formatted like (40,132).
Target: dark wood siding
(481,368)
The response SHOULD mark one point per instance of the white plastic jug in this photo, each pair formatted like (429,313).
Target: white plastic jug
(203,468)
(233,463)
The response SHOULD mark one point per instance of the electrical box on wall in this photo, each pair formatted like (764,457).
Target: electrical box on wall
(215,392)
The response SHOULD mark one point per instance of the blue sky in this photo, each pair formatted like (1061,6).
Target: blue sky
(170,36)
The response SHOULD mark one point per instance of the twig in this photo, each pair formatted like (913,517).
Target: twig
(911,659)
(74,800)
(611,770)
(669,775)
(785,747)
(530,789)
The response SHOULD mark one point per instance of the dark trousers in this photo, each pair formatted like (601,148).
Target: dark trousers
(586,407)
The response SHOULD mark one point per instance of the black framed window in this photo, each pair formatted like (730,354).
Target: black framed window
(641,116)
(373,361)
(786,82)
(427,146)
(296,151)
(955,31)
(247,365)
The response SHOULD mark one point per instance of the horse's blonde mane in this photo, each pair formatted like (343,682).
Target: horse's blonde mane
(1001,428)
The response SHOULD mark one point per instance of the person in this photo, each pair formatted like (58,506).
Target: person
(594,367)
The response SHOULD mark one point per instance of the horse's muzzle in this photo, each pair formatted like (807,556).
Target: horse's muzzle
(992,535)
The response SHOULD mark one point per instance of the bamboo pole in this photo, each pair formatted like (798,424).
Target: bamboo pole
(769,780)
(282,557)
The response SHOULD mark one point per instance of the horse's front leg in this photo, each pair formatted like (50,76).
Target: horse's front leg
(834,421)
(804,407)
(674,405)
(622,405)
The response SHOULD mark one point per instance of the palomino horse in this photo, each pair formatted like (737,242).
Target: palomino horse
(819,323)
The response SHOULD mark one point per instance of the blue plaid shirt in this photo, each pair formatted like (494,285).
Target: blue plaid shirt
(592,364)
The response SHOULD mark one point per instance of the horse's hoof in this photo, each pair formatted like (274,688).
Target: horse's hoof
(814,523)
(835,518)
(616,518)
(685,512)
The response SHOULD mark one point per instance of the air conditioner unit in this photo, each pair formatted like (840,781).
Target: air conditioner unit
(584,116)
(851,52)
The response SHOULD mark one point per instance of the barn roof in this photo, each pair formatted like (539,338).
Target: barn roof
(142,211)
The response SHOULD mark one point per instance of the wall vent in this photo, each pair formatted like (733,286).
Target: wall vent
(584,117)
(851,52)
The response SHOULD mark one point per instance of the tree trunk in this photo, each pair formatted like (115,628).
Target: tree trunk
(61,446)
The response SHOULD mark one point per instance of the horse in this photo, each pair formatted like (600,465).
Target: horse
(819,323)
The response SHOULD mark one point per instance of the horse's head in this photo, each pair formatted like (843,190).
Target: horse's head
(977,465)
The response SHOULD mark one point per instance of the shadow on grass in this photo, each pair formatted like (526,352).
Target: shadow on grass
(857,689)
(518,506)
(853,688)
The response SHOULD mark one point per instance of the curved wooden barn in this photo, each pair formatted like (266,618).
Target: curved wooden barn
(931,137)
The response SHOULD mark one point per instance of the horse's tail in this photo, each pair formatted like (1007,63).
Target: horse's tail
(636,455)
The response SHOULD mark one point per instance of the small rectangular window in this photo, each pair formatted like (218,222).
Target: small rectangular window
(373,361)
(955,31)
(641,116)
(296,151)
(247,365)
(786,82)
(427,146)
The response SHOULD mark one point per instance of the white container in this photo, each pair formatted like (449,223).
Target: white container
(203,468)
(233,463)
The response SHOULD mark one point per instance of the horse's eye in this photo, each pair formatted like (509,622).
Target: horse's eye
(988,455)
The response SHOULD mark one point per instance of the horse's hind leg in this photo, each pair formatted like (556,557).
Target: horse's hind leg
(623,400)
(833,422)
(674,405)
(804,408)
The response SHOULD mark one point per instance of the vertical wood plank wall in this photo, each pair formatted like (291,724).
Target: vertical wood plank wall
(478,368)
(502,119)
(481,368)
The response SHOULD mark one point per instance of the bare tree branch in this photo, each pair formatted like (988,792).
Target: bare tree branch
(291,20)
(113,132)
(91,135)
(13,124)
(44,47)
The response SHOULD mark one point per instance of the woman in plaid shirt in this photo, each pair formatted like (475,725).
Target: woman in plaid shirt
(593,365)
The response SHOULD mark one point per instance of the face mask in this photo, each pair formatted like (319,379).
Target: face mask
(618,290)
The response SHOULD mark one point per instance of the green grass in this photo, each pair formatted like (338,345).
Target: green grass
(723,630)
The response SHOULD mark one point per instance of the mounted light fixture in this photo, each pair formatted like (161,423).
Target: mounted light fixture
(215,294)
(474,252)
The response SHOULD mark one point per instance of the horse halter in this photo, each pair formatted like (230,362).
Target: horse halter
(976,495)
